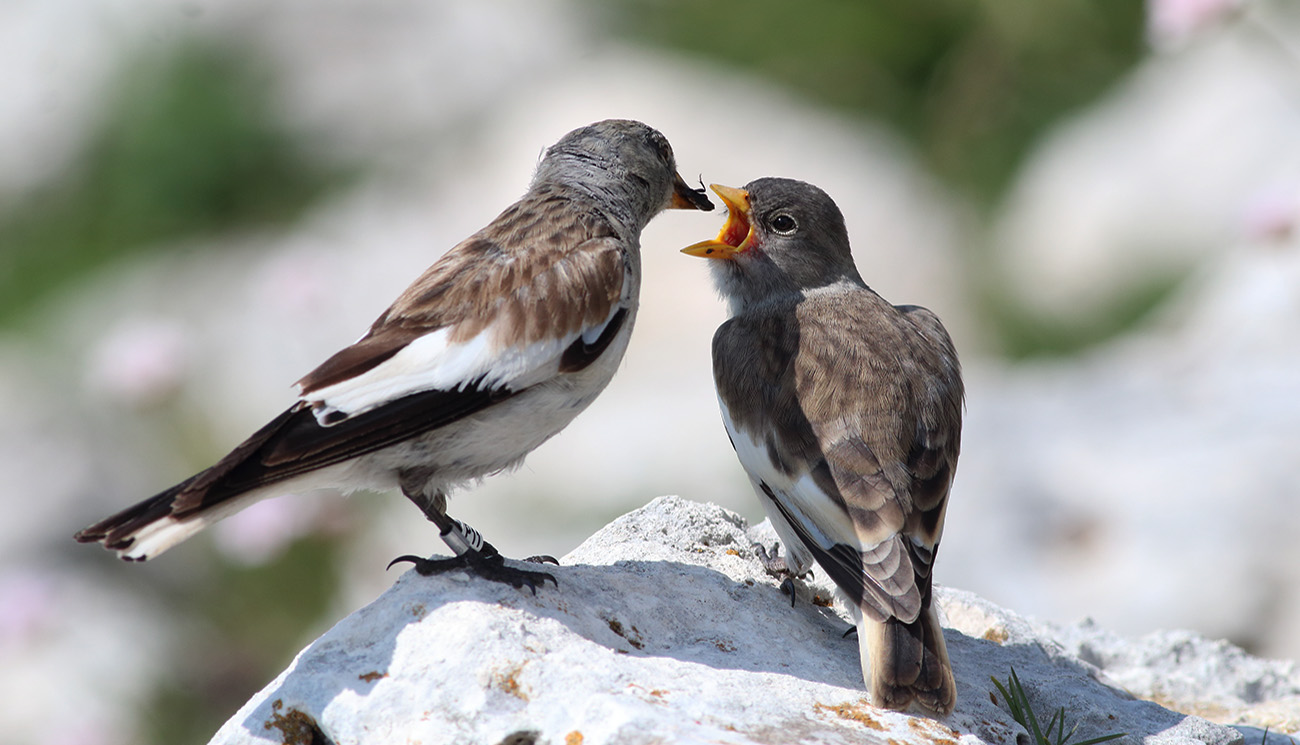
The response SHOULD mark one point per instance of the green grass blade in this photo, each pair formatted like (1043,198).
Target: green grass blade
(1032,720)
(1012,704)
(1023,714)
(1103,738)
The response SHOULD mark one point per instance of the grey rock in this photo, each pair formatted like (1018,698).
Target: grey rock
(1193,674)
(664,628)
(1192,730)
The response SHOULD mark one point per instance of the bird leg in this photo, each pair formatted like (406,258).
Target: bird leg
(472,553)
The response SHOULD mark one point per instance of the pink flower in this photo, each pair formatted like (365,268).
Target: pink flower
(139,362)
(1171,23)
(261,532)
(292,283)
(1272,214)
(26,606)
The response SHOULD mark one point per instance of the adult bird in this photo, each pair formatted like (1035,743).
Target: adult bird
(489,353)
(846,413)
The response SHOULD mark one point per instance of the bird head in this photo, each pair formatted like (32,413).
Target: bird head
(780,234)
(626,165)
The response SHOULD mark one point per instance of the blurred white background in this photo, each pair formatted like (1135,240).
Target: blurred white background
(1124,289)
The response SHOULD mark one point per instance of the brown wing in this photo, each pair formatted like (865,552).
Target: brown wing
(870,409)
(546,266)
(759,359)
(881,388)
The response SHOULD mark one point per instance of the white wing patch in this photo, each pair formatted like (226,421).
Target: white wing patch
(432,362)
(817,512)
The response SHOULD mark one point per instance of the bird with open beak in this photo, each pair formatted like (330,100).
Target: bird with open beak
(845,411)
(492,351)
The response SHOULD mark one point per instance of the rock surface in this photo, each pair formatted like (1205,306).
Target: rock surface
(664,628)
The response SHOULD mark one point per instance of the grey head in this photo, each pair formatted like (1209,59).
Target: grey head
(626,167)
(782,237)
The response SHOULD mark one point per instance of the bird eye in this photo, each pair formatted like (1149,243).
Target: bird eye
(784,224)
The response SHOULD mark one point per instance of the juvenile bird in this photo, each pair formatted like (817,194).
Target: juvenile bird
(846,413)
(492,351)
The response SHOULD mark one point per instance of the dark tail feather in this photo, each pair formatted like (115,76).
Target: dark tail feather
(908,662)
(116,531)
(293,444)
(214,487)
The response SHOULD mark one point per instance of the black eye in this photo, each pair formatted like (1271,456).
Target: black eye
(784,224)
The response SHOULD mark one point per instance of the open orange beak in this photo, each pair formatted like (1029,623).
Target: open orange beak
(686,198)
(737,233)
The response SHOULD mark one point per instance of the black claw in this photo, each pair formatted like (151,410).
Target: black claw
(417,560)
(787,586)
(497,571)
(543,559)
(852,630)
(429,567)
(488,566)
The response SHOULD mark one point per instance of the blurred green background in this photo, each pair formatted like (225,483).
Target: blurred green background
(185,145)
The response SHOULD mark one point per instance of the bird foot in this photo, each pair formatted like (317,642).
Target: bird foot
(775,565)
(543,559)
(488,566)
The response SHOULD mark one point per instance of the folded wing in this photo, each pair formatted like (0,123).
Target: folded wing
(853,443)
